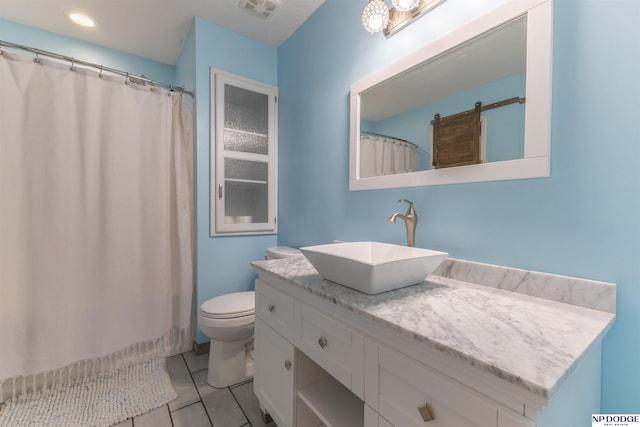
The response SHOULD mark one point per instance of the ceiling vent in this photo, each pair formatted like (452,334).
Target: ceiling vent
(262,9)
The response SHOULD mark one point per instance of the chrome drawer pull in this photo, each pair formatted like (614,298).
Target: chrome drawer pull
(271,308)
(287,365)
(425,413)
(322,342)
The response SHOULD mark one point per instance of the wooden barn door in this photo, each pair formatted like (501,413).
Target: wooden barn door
(456,139)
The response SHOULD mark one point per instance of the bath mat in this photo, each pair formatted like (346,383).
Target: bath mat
(103,400)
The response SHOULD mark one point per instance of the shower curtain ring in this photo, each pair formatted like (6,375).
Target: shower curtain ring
(36,59)
(101,69)
(73,68)
(126,79)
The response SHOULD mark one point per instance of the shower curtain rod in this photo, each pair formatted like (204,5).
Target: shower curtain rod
(139,79)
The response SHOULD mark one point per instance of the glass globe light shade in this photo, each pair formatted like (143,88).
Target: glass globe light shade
(375,16)
(405,5)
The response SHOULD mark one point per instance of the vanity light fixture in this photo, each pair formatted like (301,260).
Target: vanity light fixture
(82,19)
(405,5)
(375,16)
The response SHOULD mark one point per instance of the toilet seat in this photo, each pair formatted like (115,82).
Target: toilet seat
(248,316)
(230,306)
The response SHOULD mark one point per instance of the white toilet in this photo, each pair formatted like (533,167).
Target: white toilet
(228,320)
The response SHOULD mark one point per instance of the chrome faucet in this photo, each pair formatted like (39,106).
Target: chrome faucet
(410,219)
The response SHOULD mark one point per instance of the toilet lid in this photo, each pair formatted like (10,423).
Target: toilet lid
(276,252)
(228,306)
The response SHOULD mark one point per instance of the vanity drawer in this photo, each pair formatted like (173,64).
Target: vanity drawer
(334,346)
(398,386)
(275,308)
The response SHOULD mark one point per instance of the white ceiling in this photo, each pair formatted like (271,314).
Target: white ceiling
(155,29)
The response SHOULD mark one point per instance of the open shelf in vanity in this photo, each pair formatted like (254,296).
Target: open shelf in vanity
(325,401)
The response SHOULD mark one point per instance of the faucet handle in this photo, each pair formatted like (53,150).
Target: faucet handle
(410,210)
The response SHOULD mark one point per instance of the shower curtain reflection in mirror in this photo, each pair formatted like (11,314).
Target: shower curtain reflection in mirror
(386,155)
(95,221)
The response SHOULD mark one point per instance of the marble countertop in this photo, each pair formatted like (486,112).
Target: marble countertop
(526,340)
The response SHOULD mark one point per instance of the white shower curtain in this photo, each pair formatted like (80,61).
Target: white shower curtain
(386,155)
(95,221)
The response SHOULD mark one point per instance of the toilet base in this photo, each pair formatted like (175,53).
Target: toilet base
(230,362)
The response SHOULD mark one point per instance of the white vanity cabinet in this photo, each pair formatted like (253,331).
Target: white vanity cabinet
(243,156)
(314,368)
(321,363)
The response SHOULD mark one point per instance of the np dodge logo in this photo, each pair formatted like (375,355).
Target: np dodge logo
(615,420)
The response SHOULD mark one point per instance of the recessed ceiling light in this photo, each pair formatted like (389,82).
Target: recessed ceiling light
(81,19)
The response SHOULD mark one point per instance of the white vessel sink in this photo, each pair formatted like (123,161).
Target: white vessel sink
(373,267)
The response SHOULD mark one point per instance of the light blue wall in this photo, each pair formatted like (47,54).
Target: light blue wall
(223,262)
(45,40)
(581,221)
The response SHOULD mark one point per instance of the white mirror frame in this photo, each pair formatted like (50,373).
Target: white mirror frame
(536,161)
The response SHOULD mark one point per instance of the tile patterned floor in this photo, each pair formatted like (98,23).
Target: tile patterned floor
(200,405)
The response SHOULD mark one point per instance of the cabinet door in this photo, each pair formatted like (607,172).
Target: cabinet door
(274,374)
(243,156)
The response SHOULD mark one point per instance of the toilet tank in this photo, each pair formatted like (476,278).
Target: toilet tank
(278,252)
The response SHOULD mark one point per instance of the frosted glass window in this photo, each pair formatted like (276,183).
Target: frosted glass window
(246,202)
(246,170)
(246,110)
(246,142)
(246,120)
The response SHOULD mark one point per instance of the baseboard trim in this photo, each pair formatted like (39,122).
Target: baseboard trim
(201,348)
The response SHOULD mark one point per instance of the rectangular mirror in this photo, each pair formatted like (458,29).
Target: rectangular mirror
(472,106)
